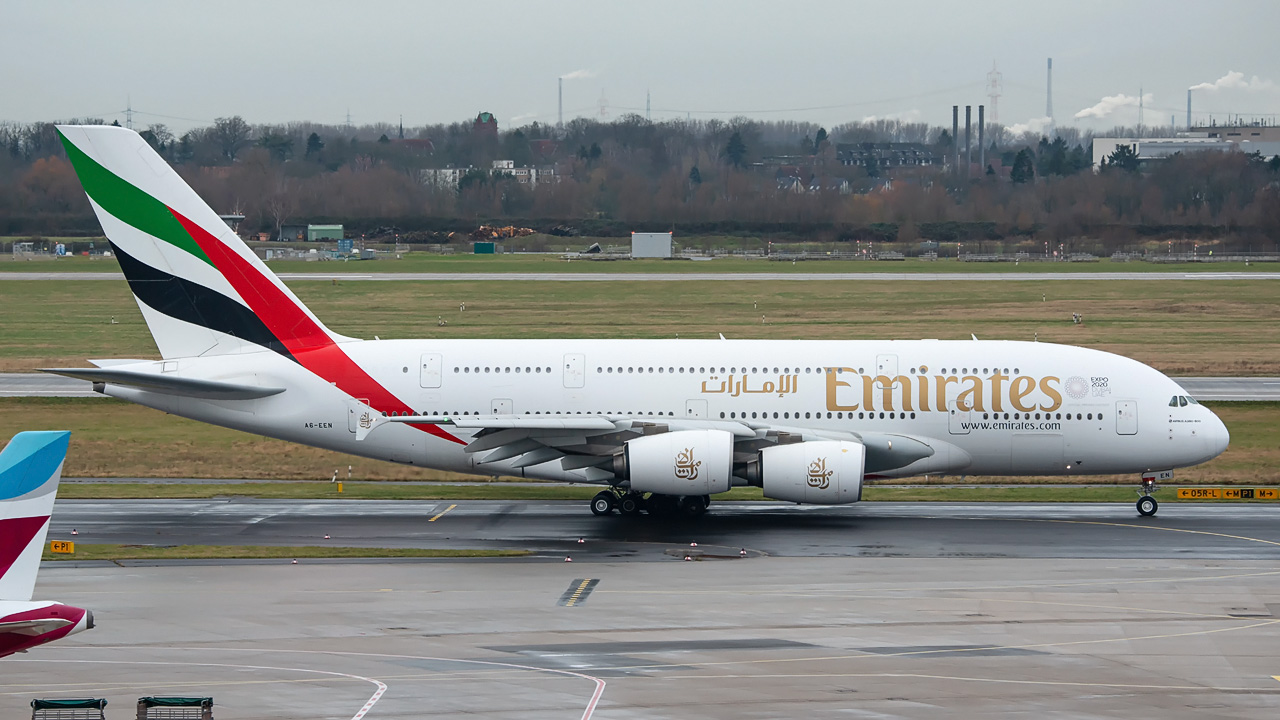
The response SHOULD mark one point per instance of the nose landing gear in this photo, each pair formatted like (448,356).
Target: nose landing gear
(1147,505)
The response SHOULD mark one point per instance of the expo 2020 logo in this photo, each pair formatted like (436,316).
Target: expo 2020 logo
(1077,387)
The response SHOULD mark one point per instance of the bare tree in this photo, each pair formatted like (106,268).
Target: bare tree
(231,134)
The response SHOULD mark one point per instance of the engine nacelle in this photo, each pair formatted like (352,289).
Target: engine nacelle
(824,472)
(685,462)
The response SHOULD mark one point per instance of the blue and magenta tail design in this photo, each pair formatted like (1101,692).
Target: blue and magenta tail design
(30,467)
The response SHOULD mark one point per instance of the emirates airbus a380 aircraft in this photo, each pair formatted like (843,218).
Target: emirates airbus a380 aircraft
(660,425)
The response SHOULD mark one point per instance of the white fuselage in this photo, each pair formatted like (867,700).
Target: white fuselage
(986,407)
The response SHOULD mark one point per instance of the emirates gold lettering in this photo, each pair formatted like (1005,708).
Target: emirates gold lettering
(819,476)
(686,466)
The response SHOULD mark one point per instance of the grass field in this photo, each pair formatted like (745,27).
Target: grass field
(554,263)
(1182,327)
(112,438)
(85,551)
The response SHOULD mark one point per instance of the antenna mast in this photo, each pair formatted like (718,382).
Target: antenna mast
(994,86)
(1048,101)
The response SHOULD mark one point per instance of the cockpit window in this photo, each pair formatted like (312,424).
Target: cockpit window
(1182,401)
(1174,402)
(1192,400)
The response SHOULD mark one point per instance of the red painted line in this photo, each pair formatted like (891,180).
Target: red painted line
(309,343)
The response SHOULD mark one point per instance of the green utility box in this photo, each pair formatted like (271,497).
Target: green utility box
(175,708)
(77,709)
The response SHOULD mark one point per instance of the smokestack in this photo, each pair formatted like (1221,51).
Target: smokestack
(955,138)
(1048,97)
(560,113)
(968,145)
(982,147)
(1188,108)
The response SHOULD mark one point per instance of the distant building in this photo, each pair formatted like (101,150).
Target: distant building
(485,125)
(232,220)
(1149,149)
(650,245)
(444,177)
(293,233)
(324,232)
(1241,133)
(888,155)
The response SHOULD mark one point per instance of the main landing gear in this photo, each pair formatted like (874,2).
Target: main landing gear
(633,503)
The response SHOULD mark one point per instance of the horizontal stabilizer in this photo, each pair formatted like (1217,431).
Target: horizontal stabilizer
(168,384)
(34,627)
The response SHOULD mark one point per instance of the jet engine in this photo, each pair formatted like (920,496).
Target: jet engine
(824,472)
(685,462)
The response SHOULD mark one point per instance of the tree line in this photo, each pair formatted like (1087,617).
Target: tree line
(706,177)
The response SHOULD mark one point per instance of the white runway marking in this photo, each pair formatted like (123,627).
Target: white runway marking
(373,699)
(587,711)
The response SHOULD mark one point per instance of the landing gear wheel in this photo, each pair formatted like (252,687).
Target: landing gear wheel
(602,503)
(659,505)
(691,505)
(1147,506)
(630,504)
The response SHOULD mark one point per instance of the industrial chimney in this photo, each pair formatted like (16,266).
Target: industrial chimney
(968,145)
(982,147)
(955,138)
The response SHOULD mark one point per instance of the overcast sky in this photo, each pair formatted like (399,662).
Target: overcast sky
(184,64)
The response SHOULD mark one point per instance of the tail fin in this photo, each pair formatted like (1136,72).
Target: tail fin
(201,290)
(30,467)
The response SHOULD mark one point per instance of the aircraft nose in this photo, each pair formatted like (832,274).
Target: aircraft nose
(1219,437)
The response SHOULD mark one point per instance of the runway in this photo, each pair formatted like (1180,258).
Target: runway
(879,610)
(1031,276)
(551,529)
(1202,388)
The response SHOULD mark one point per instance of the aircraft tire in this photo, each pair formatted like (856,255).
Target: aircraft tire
(691,505)
(1147,506)
(602,503)
(630,504)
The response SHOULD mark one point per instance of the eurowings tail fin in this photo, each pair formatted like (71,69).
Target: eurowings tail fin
(30,467)
(201,290)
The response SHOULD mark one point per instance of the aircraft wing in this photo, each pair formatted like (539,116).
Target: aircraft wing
(167,384)
(590,442)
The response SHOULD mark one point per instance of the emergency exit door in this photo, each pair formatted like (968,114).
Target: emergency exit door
(1126,417)
(429,374)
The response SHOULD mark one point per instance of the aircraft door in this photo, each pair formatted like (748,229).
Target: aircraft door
(1126,417)
(887,365)
(429,375)
(695,409)
(575,370)
(958,419)
(500,406)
